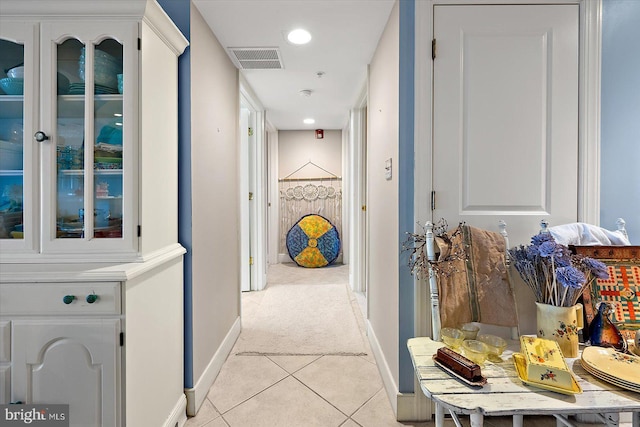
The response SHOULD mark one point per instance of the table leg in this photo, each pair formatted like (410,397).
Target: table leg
(477,420)
(518,420)
(439,415)
(563,421)
(612,419)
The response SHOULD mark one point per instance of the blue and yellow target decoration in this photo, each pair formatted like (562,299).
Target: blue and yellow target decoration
(313,242)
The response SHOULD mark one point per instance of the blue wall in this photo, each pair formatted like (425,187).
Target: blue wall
(179,12)
(406,190)
(620,125)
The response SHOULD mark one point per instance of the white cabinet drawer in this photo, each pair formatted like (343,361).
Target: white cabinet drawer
(60,298)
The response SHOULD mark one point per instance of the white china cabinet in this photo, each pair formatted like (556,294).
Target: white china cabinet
(86,151)
(90,267)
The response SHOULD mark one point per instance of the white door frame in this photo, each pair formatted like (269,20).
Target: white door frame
(273,204)
(245,215)
(588,133)
(253,214)
(356,175)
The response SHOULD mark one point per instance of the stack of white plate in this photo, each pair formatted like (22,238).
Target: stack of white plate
(612,366)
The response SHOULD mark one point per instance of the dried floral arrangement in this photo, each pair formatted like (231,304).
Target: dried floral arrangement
(555,275)
(419,263)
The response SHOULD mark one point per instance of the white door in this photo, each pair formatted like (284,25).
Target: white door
(505,117)
(74,362)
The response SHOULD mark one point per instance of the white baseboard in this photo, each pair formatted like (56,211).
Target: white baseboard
(413,407)
(387,377)
(406,406)
(285,258)
(197,394)
(178,416)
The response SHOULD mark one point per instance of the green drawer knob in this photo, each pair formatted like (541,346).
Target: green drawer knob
(68,299)
(91,298)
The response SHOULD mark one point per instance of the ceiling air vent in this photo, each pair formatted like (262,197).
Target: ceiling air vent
(256,58)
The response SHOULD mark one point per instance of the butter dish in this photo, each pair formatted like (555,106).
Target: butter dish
(544,363)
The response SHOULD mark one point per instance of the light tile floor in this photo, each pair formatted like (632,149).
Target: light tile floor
(306,391)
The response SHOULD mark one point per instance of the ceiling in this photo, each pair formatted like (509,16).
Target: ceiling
(344,33)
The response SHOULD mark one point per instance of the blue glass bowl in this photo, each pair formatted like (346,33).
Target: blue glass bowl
(12,86)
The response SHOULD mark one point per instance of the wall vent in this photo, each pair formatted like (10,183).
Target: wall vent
(256,58)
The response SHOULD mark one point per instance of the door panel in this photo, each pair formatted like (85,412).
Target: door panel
(505,121)
(74,362)
(506,116)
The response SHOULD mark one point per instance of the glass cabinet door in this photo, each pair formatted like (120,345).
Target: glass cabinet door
(11,140)
(89,180)
(89,148)
(18,157)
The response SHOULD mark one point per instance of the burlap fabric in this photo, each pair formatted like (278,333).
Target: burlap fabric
(479,289)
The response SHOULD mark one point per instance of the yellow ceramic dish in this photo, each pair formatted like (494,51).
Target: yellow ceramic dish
(544,363)
(609,379)
(17,234)
(520,363)
(625,367)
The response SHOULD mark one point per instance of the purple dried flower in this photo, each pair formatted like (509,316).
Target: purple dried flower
(570,277)
(597,268)
(562,256)
(540,238)
(548,249)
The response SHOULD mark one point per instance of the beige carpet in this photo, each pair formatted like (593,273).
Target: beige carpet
(302,319)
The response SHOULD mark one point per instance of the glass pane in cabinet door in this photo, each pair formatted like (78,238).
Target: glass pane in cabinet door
(11,139)
(70,140)
(108,148)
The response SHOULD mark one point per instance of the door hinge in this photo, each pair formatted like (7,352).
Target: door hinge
(433,200)
(250,196)
(433,49)
(139,230)
(364,208)
(250,260)
(139,43)
(121,339)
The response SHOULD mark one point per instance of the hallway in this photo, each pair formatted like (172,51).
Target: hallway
(298,390)
(329,389)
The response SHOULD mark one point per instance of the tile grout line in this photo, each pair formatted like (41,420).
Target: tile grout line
(316,393)
(252,396)
(299,369)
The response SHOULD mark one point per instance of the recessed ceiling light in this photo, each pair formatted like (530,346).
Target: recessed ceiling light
(299,36)
(305,92)
(309,121)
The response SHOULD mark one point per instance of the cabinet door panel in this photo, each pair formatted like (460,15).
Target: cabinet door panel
(90,159)
(5,383)
(5,359)
(69,362)
(18,152)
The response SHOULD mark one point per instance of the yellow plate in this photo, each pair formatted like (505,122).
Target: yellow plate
(625,367)
(519,362)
